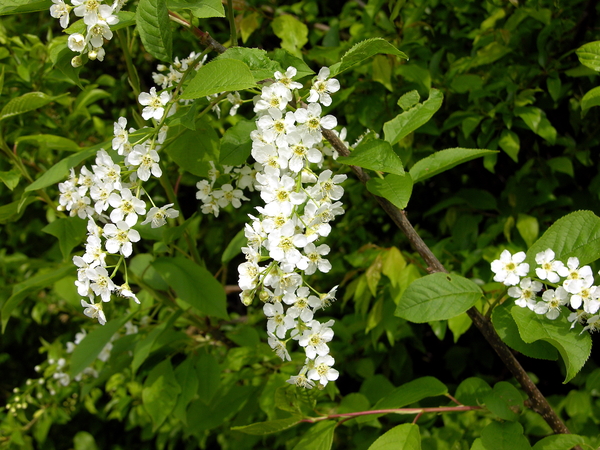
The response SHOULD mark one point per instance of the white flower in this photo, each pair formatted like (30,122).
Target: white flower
(553,300)
(593,324)
(76,42)
(127,207)
(526,293)
(88,9)
(322,370)
(278,322)
(94,310)
(509,268)
(120,133)
(286,79)
(312,122)
(315,261)
(147,159)
(158,216)
(278,346)
(322,87)
(315,339)
(548,266)
(576,276)
(120,237)
(101,284)
(154,104)
(227,194)
(60,10)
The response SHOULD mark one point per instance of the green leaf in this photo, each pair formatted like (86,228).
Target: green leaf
(144,346)
(160,393)
(13,211)
(408,121)
(319,437)
(194,285)
(409,100)
(401,437)
(589,55)
(154,27)
(412,392)
(536,120)
(11,178)
(25,103)
(437,296)
(591,98)
(444,160)
(194,149)
(574,235)
(49,141)
(561,164)
(61,56)
(508,331)
(573,345)
(270,427)
(504,436)
(528,227)
(261,66)
(70,232)
(374,154)
(209,376)
(92,344)
(510,143)
(362,51)
(292,32)
(472,391)
(33,284)
(559,442)
(286,59)
(236,143)
(23,6)
(234,247)
(202,9)
(505,401)
(395,188)
(218,76)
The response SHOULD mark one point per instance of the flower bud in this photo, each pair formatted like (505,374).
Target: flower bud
(247,298)
(76,61)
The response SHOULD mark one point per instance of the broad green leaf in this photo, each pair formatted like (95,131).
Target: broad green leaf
(236,143)
(576,234)
(382,71)
(61,56)
(559,442)
(234,247)
(437,296)
(395,188)
(261,66)
(444,160)
(70,232)
(504,401)
(90,347)
(591,98)
(193,149)
(375,154)
(472,391)
(144,346)
(33,284)
(529,228)
(249,25)
(573,345)
(363,51)
(154,27)
(489,54)
(23,6)
(459,325)
(504,436)
(202,9)
(194,285)
(292,32)
(561,164)
(13,211)
(188,380)
(401,437)
(160,392)
(10,178)
(589,55)
(409,100)
(393,264)
(202,416)
(318,437)
(466,82)
(412,392)
(218,76)
(510,143)
(408,121)
(25,103)
(286,59)
(49,141)
(508,331)
(554,86)
(536,120)
(209,376)
(270,427)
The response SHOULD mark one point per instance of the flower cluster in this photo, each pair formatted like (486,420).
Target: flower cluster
(229,193)
(571,284)
(299,206)
(109,197)
(97,18)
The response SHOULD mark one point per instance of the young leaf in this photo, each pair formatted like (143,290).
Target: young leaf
(25,103)
(202,9)
(258,62)
(160,392)
(510,143)
(444,160)
(412,392)
(504,436)
(194,285)
(69,231)
(319,437)
(536,120)
(218,76)
(417,116)
(589,55)
(362,51)
(236,143)
(401,437)
(437,296)
(395,188)
(576,234)
(528,227)
(591,98)
(286,59)
(559,442)
(574,347)
(292,32)
(270,427)
(23,6)
(375,154)
(152,18)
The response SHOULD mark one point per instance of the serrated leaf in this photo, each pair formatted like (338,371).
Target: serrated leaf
(591,98)
(589,55)
(202,9)
(395,188)
(194,285)
(437,296)
(401,437)
(318,437)
(194,149)
(574,235)
(154,27)
(292,32)
(573,345)
(559,442)
(160,392)
(236,143)
(25,103)
(504,436)
(412,392)
(270,427)
(375,154)
(444,160)
(261,66)
(219,76)
(70,232)
(408,121)
(362,51)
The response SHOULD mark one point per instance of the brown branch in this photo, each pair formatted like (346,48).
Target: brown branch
(205,39)
(408,411)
